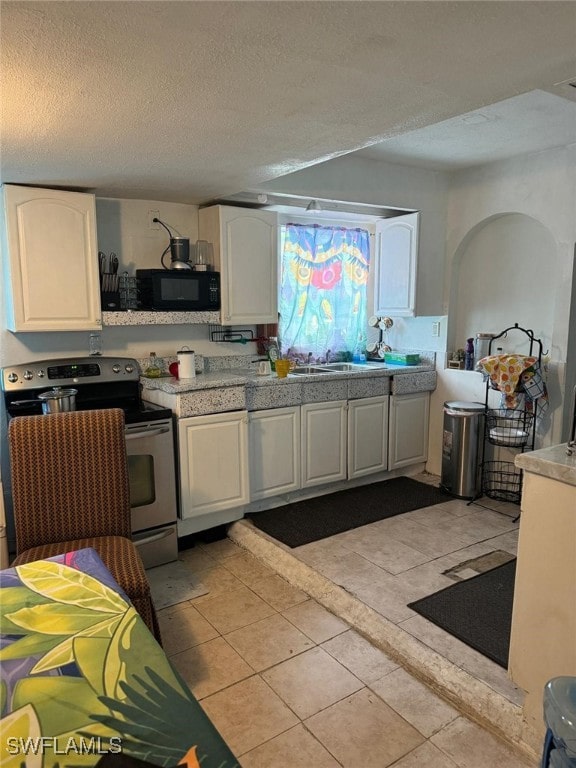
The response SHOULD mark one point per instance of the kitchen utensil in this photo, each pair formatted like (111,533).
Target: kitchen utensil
(179,248)
(204,256)
(56,400)
(180,253)
(113,263)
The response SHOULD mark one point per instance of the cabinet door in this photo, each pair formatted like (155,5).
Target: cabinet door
(396,259)
(274,439)
(213,453)
(367,436)
(246,252)
(408,435)
(323,442)
(53,282)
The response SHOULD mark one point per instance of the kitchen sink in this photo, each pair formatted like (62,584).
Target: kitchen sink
(303,370)
(307,370)
(344,366)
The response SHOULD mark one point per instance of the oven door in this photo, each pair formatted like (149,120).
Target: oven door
(150,449)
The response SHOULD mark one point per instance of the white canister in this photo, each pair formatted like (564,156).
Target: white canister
(186,363)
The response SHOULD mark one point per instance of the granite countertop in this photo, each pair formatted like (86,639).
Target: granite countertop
(550,462)
(249,377)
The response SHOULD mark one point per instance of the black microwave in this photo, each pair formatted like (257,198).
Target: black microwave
(177,290)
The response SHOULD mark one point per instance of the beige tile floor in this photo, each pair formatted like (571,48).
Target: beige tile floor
(289,684)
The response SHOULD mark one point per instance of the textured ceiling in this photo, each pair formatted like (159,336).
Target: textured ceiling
(189,101)
(531,122)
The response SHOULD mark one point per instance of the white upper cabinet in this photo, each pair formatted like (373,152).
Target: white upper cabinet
(51,260)
(246,254)
(396,261)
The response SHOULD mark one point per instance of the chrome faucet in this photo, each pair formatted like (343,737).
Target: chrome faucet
(571,446)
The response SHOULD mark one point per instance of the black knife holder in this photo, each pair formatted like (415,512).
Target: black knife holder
(109,292)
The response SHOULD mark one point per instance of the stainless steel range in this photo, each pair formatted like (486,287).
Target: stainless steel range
(114,382)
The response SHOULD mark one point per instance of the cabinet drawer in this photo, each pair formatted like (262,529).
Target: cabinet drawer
(202,402)
(409,383)
(324,391)
(373,386)
(275,396)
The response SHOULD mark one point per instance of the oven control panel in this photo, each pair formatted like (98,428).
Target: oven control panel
(64,372)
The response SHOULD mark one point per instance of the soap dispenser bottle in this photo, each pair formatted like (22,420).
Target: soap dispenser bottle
(469,355)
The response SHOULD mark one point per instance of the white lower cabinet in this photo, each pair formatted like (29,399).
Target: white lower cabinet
(323,442)
(408,429)
(367,436)
(274,438)
(213,452)
(229,459)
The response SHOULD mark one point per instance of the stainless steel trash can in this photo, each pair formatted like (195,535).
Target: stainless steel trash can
(461,448)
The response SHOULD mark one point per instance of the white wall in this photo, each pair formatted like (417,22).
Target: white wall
(502,276)
(386,184)
(541,186)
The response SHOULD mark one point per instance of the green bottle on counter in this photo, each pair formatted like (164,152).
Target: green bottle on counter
(153,371)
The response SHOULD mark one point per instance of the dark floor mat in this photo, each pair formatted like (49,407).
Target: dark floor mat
(323,516)
(477,611)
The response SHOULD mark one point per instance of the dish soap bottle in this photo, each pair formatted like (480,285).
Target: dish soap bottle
(153,371)
(273,351)
(469,355)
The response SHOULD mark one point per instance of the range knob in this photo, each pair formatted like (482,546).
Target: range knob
(129,368)
(12,377)
(41,373)
(28,375)
(116,368)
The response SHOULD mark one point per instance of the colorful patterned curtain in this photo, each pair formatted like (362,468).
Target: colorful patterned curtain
(324,273)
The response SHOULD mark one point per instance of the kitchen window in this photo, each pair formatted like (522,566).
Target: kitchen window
(323,302)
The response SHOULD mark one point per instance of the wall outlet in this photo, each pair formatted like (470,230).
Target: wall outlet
(436,329)
(151,216)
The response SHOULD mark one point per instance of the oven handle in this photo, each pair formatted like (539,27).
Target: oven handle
(150,538)
(147,433)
